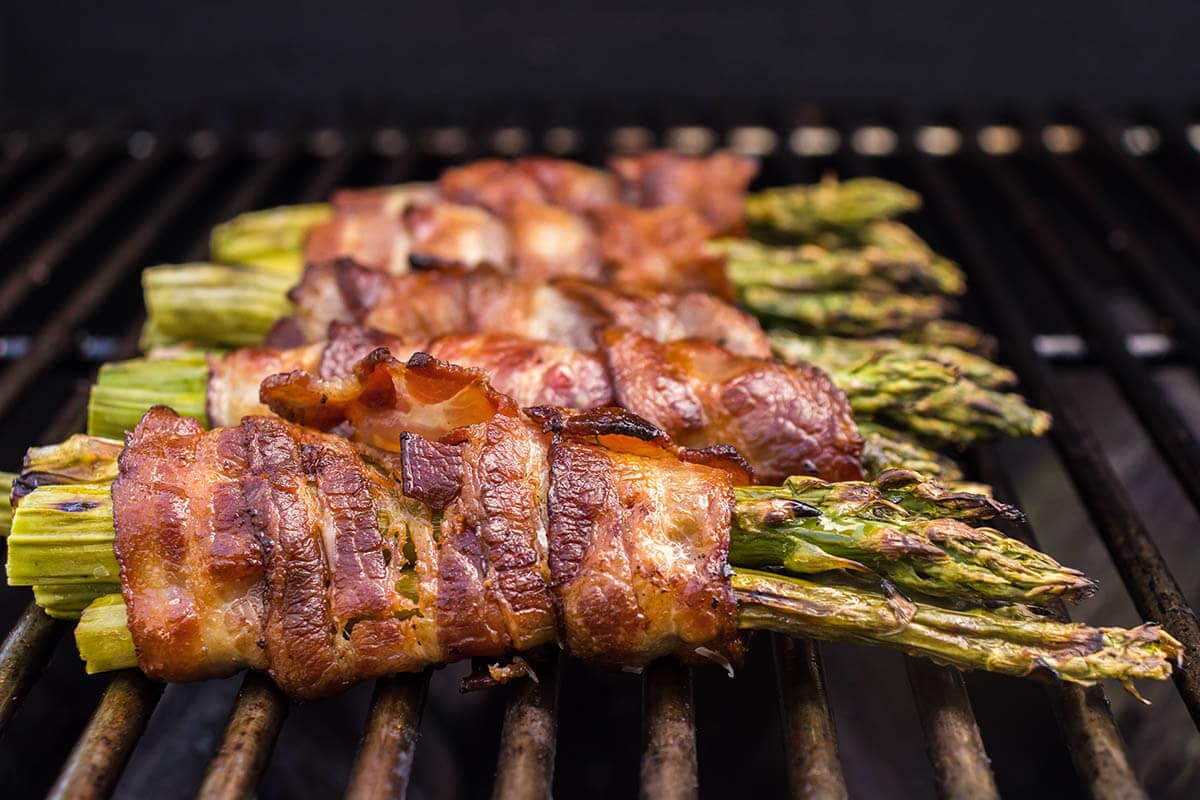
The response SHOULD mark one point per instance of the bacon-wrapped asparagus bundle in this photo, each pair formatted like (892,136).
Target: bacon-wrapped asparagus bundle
(454,525)
(786,420)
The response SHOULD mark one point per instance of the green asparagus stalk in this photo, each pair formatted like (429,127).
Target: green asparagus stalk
(845,313)
(803,212)
(1010,641)
(934,401)
(212,305)
(6,483)
(951,333)
(102,636)
(833,353)
(886,449)
(812,268)
(904,528)
(75,460)
(272,238)
(125,390)
(68,600)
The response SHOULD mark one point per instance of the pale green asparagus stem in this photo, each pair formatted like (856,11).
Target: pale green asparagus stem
(125,390)
(272,238)
(212,305)
(1010,641)
(102,636)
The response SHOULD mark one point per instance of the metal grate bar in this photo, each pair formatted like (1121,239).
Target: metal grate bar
(1083,714)
(1151,585)
(1166,426)
(1152,279)
(668,733)
(92,769)
(952,738)
(80,158)
(249,738)
(814,768)
(33,148)
(56,334)
(525,765)
(385,756)
(26,649)
(960,763)
(40,266)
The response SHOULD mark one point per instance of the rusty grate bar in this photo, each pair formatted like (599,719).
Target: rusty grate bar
(668,733)
(1143,570)
(814,769)
(384,762)
(92,770)
(26,649)
(525,764)
(1083,713)
(248,740)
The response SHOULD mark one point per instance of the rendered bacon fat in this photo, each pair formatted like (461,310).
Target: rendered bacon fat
(438,302)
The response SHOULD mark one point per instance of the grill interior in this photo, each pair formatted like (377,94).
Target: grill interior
(1080,237)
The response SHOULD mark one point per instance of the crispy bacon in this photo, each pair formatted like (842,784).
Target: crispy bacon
(659,248)
(425,305)
(428,233)
(279,548)
(714,186)
(786,420)
(498,185)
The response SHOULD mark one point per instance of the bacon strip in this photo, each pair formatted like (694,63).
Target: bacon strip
(714,186)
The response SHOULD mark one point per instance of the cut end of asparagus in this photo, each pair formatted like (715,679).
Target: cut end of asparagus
(272,238)
(102,636)
(75,460)
(6,484)
(125,390)
(1011,642)
(213,305)
(63,535)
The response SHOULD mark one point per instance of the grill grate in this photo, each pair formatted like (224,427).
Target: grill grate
(66,306)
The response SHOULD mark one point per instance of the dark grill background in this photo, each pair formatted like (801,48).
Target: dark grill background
(1078,243)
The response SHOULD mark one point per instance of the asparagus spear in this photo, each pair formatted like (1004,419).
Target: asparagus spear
(272,238)
(803,212)
(810,267)
(934,402)
(833,353)
(952,333)
(845,313)
(884,449)
(1011,641)
(212,305)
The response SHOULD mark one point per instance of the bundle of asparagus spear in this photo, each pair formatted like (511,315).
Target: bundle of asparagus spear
(899,562)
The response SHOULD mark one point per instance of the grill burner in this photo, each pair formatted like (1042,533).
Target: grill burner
(1055,226)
